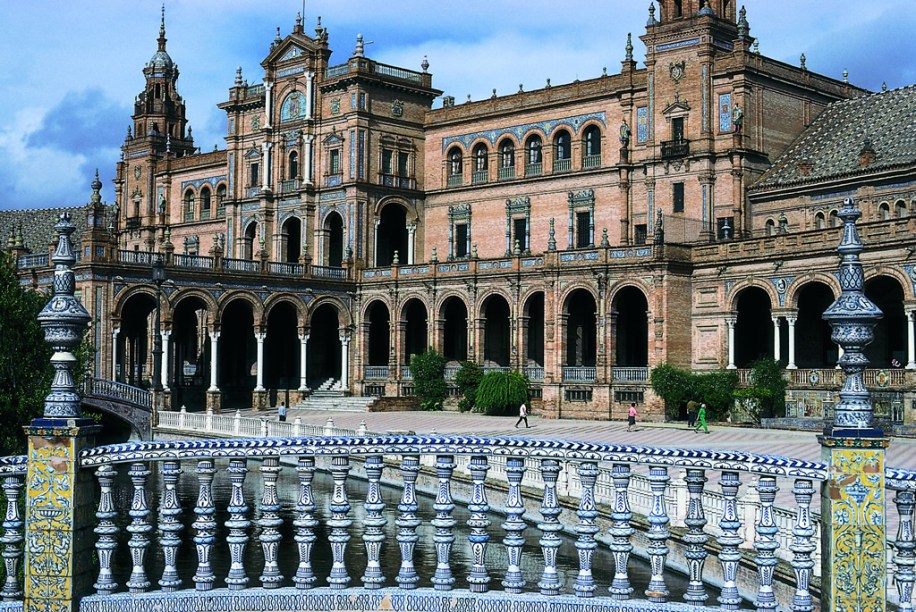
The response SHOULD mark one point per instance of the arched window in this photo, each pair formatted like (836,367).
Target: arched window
(533,149)
(770,227)
(884,211)
(205,203)
(506,160)
(221,200)
(189,205)
(562,151)
(293,165)
(480,157)
(835,219)
(900,209)
(819,221)
(592,141)
(454,167)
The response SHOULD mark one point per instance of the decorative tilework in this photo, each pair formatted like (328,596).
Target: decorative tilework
(293,107)
(679,44)
(781,284)
(642,124)
(651,105)
(332,195)
(705,77)
(547,127)
(291,71)
(198,183)
(725,112)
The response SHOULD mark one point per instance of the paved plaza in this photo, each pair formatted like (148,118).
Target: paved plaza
(795,444)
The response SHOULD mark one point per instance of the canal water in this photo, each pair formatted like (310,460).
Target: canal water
(322,486)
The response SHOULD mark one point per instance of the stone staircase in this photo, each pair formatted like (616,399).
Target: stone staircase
(329,397)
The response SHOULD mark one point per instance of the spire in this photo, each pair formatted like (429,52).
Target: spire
(744,27)
(96,189)
(162,38)
(652,21)
(424,64)
(802,62)
(629,47)
(238,76)
(360,48)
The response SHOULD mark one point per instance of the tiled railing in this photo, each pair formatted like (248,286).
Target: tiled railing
(136,257)
(37,260)
(285,268)
(99,387)
(192,261)
(579,374)
(329,272)
(241,265)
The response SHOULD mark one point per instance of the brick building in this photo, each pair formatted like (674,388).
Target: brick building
(582,233)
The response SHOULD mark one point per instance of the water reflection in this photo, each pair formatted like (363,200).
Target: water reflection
(424,555)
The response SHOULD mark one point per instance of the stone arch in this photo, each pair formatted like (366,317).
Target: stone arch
(624,284)
(148,290)
(237,364)
(257,307)
(393,216)
(205,296)
(532,320)
(579,327)
(453,312)
(343,312)
(732,297)
(292,230)
(799,282)
(376,319)
(133,356)
(333,237)
(282,320)
(889,347)
(753,323)
(564,295)
(813,345)
(415,331)
(630,326)
(193,316)
(277,298)
(326,319)
(900,276)
(496,311)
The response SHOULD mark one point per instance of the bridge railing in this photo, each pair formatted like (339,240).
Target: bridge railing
(101,387)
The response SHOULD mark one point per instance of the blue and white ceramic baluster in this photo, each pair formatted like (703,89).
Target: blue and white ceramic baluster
(549,526)
(695,538)
(513,582)
(620,532)
(204,525)
(729,541)
(586,529)
(444,523)
(374,535)
(305,524)
(13,537)
(766,544)
(408,522)
(139,529)
(905,546)
(478,579)
(658,535)
(170,526)
(802,547)
(238,525)
(339,523)
(106,529)
(270,522)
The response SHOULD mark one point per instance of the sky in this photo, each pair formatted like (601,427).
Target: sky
(71,69)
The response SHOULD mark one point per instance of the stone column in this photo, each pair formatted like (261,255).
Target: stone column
(730,321)
(303,356)
(214,397)
(114,352)
(776,343)
(309,89)
(791,365)
(164,374)
(307,170)
(411,243)
(268,90)
(259,395)
(59,496)
(853,512)
(345,360)
(266,171)
(910,340)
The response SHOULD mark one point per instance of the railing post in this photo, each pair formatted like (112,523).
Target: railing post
(658,535)
(620,532)
(107,531)
(408,522)
(204,526)
(169,525)
(329,427)
(444,523)
(237,524)
(478,579)
(339,523)
(305,523)
(550,525)
(695,538)
(729,541)
(766,544)
(270,521)
(138,529)
(514,526)
(12,538)
(236,422)
(905,545)
(802,546)
(374,535)
(586,529)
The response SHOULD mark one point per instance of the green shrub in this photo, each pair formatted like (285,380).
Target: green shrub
(468,380)
(767,376)
(428,382)
(716,389)
(678,386)
(673,385)
(501,393)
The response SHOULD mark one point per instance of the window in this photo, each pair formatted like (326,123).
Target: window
(819,221)
(533,147)
(562,144)
(461,240)
(253,178)
(835,219)
(334,162)
(189,205)
(506,155)
(221,201)
(403,164)
(677,129)
(592,141)
(480,158)
(519,234)
(205,203)
(900,209)
(454,163)
(884,211)
(639,233)
(293,165)
(770,227)
(583,229)
(678,196)
(362,101)
(387,160)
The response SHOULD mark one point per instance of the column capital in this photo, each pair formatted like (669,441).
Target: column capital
(730,321)
(791,320)
(776,320)
(214,335)
(911,315)
(303,337)
(259,336)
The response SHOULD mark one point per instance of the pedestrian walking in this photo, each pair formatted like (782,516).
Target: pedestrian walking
(281,412)
(522,416)
(691,414)
(701,420)
(631,417)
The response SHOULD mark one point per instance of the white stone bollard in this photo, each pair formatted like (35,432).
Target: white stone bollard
(297,427)
(209,419)
(361,429)
(237,422)
(329,427)
(181,417)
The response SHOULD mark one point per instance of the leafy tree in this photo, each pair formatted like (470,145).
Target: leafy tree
(672,384)
(429,385)
(501,393)
(767,376)
(716,390)
(468,380)
(25,367)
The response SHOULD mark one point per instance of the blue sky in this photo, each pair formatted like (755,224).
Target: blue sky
(72,69)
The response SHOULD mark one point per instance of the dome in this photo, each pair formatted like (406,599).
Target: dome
(161,60)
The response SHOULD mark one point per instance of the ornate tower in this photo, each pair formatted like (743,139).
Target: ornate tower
(159,131)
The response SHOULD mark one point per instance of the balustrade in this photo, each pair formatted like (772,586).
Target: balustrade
(329,272)
(579,374)
(108,388)
(284,268)
(630,375)
(241,265)
(559,469)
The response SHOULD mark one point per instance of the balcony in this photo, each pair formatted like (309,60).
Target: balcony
(630,375)
(562,165)
(534,373)
(241,265)
(673,149)
(284,268)
(591,161)
(329,272)
(394,180)
(455,180)
(192,261)
(372,372)
(136,257)
(289,185)
(579,374)
(480,176)
(133,223)
(507,173)
(534,169)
